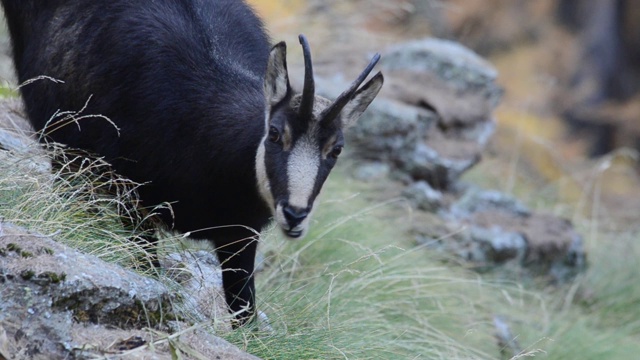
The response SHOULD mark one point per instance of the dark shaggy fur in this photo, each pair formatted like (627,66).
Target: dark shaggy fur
(182,81)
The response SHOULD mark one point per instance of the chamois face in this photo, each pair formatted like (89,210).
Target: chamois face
(303,139)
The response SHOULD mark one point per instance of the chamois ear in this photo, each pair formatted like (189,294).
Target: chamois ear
(276,81)
(361,100)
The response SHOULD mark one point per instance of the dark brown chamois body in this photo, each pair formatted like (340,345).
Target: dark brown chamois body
(200,111)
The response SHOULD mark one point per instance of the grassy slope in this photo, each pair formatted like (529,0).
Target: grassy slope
(596,316)
(358,288)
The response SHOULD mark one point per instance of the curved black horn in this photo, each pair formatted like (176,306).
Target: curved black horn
(309,89)
(332,111)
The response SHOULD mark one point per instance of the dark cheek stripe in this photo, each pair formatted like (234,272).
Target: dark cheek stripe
(321,177)
(276,167)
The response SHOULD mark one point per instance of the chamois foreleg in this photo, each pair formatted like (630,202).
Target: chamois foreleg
(237,262)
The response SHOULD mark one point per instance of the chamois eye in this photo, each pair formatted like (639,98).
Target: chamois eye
(336,152)
(274,134)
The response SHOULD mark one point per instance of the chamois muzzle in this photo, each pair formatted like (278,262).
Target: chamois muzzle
(293,221)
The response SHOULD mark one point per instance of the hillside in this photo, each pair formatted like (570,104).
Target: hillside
(510,243)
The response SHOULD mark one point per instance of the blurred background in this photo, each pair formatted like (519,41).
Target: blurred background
(570,70)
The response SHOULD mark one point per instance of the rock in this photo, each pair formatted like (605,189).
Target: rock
(483,247)
(371,171)
(475,200)
(434,116)
(430,125)
(507,340)
(494,245)
(13,118)
(389,129)
(444,76)
(408,138)
(11,141)
(489,227)
(16,138)
(553,247)
(423,196)
(78,283)
(457,86)
(56,302)
(200,277)
(425,163)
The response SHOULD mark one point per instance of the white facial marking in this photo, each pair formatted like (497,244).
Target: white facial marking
(261,171)
(302,170)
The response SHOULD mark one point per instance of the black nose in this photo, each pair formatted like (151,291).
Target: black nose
(294,216)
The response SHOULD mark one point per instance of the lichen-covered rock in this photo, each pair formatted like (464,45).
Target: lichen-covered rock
(553,247)
(444,76)
(441,172)
(477,200)
(371,171)
(431,124)
(493,245)
(389,129)
(16,137)
(200,276)
(69,281)
(423,196)
(490,228)
(56,303)
(435,113)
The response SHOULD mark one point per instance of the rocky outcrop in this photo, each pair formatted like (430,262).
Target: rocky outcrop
(431,125)
(434,117)
(16,138)
(56,303)
(489,228)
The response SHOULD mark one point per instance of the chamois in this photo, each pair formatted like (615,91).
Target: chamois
(201,112)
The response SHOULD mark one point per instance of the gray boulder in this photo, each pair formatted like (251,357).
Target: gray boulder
(371,171)
(490,228)
(17,140)
(56,303)
(492,245)
(444,76)
(423,196)
(434,116)
(475,200)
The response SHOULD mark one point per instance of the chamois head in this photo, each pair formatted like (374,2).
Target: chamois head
(303,137)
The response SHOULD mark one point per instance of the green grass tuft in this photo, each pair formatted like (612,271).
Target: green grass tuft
(79,209)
